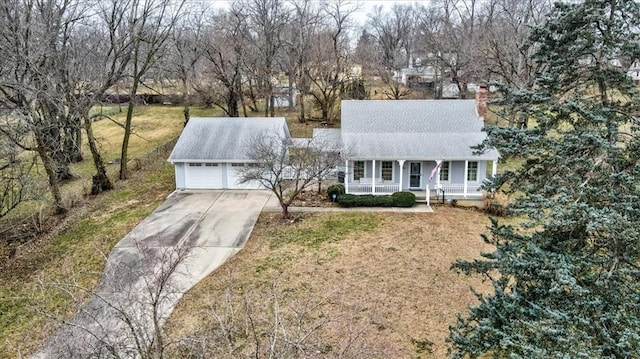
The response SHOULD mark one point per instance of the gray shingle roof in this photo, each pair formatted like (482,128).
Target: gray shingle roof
(223,138)
(415,146)
(328,138)
(412,129)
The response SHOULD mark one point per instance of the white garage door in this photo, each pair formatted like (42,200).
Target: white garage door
(203,175)
(233,178)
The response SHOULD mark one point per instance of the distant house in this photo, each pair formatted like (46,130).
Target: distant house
(415,145)
(389,146)
(210,151)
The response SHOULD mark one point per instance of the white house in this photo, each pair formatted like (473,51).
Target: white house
(415,145)
(423,146)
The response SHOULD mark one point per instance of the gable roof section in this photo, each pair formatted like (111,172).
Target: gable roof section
(410,116)
(413,129)
(223,139)
(329,138)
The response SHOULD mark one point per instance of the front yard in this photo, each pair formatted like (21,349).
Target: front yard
(364,284)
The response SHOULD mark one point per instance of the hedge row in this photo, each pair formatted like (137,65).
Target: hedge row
(398,199)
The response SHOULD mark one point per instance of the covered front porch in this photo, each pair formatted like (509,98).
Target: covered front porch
(457,178)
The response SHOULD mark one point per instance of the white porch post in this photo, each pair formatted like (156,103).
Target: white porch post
(438,173)
(346,176)
(401,162)
(494,170)
(373,176)
(466,173)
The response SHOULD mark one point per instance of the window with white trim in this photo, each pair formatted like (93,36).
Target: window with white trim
(472,171)
(445,169)
(387,170)
(195,164)
(358,170)
(237,165)
(211,164)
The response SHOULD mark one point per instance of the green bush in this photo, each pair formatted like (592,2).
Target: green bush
(403,199)
(347,200)
(337,189)
(398,199)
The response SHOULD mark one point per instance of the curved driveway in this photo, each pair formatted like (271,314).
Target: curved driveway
(191,234)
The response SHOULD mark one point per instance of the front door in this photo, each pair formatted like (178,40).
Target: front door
(415,174)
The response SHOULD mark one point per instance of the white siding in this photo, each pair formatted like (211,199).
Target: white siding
(233,179)
(179,171)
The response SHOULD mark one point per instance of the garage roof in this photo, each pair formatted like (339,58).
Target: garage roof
(223,139)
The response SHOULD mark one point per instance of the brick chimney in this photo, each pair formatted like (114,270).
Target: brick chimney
(482,97)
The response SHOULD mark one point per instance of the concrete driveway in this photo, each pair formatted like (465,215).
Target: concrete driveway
(191,234)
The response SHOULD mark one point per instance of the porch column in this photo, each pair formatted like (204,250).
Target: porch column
(494,170)
(373,176)
(466,173)
(401,162)
(438,173)
(346,176)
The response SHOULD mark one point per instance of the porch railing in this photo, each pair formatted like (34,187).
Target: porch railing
(458,189)
(383,188)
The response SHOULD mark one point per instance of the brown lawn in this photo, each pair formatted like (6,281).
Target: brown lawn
(377,284)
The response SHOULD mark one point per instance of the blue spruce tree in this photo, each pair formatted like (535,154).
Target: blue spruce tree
(567,282)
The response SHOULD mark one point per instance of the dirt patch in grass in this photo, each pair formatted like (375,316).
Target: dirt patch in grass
(312,198)
(381,282)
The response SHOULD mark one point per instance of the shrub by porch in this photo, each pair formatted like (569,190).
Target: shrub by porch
(398,199)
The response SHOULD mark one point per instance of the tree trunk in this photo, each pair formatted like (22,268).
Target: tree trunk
(54,185)
(272,111)
(232,104)
(101,181)
(285,210)
(73,138)
(185,112)
(291,97)
(185,100)
(302,118)
(127,131)
(252,96)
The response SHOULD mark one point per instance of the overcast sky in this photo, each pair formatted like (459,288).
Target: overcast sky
(361,16)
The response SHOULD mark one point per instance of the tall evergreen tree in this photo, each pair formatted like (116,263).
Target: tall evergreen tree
(567,282)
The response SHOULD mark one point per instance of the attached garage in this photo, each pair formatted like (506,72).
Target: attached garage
(211,152)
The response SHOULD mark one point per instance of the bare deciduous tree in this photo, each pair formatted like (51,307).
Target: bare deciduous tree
(394,32)
(124,316)
(149,23)
(452,32)
(330,69)
(275,322)
(287,170)
(304,24)
(507,52)
(267,20)
(224,48)
(16,178)
(186,51)
(34,91)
